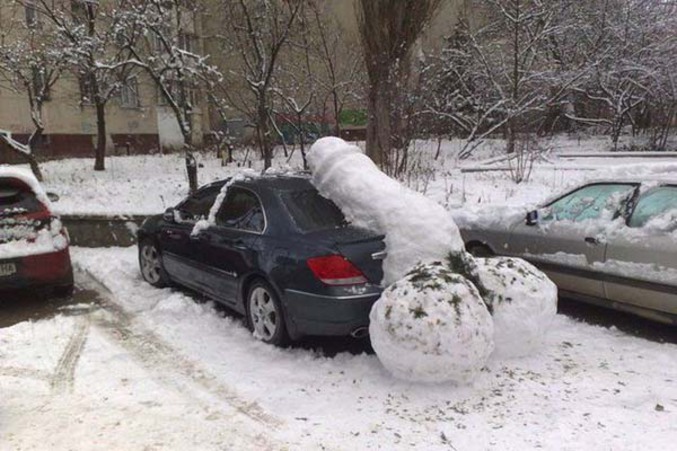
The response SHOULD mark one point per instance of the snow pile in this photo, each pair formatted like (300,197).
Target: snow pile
(416,228)
(27,240)
(432,326)
(523,302)
(433,323)
(20,234)
(29,179)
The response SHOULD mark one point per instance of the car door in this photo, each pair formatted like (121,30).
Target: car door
(569,237)
(180,254)
(641,262)
(230,248)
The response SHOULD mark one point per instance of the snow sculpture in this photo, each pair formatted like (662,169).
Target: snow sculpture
(433,323)
(523,302)
(416,228)
(432,326)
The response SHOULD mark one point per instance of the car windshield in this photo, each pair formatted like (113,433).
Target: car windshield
(600,201)
(17,199)
(311,211)
(657,208)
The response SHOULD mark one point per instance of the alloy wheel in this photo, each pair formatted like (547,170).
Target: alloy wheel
(150,264)
(263,312)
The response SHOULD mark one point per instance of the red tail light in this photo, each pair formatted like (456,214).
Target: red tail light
(336,270)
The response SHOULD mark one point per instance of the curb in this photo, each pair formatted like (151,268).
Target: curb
(102,230)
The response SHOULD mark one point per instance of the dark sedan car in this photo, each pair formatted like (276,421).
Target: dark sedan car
(276,251)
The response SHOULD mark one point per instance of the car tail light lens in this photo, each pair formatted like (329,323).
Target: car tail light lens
(336,270)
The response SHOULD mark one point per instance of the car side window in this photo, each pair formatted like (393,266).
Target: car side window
(197,206)
(590,202)
(657,207)
(241,210)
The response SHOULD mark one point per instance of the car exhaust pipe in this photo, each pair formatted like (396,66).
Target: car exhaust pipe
(360,332)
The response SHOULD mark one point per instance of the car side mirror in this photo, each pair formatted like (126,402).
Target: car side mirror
(53,197)
(168,215)
(532,218)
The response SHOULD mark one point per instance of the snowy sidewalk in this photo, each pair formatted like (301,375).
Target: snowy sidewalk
(153,369)
(91,378)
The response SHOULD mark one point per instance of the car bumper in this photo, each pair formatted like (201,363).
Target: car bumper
(43,270)
(315,314)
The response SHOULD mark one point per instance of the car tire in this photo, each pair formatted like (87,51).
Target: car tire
(150,264)
(265,316)
(480,250)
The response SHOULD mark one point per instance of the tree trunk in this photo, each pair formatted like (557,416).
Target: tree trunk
(378,126)
(337,114)
(264,134)
(100,152)
(34,146)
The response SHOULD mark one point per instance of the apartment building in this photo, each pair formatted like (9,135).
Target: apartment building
(137,118)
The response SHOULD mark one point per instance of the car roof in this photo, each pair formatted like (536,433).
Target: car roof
(274,182)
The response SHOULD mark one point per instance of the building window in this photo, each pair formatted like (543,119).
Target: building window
(86,90)
(32,19)
(180,96)
(186,42)
(129,93)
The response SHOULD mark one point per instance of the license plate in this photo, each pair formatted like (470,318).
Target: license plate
(7,269)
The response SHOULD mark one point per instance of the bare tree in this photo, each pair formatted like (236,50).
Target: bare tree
(339,65)
(92,30)
(389,30)
(171,56)
(32,60)
(258,32)
(507,73)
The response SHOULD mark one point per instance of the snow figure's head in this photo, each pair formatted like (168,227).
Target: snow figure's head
(327,151)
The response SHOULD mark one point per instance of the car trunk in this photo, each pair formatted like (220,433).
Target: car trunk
(363,248)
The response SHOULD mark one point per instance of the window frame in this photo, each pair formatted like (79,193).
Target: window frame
(263,211)
(178,207)
(623,212)
(131,85)
(639,198)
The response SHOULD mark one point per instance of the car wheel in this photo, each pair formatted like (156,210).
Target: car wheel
(264,314)
(151,265)
(480,250)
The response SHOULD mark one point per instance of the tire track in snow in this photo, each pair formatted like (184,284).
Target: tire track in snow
(25,373)
(63,378)
(165,363)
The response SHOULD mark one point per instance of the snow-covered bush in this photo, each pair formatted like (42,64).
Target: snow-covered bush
(416,228)
(432,326)
(523,302)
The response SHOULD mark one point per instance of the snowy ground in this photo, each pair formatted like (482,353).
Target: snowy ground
(143,368)
(153,369)
(148,184)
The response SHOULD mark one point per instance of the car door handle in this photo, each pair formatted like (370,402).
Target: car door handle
(592,240)
(239,244)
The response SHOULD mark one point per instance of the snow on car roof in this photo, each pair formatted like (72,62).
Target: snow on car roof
(28,178)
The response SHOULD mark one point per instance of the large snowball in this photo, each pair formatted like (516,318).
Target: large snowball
(432,326)
(416,228)
(523,302)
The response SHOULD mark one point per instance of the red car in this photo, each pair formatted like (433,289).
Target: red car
(33,243)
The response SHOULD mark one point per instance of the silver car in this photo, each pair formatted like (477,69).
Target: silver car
(612,243)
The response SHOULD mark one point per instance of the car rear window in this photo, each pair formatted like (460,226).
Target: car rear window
(311,211)
(16,198)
